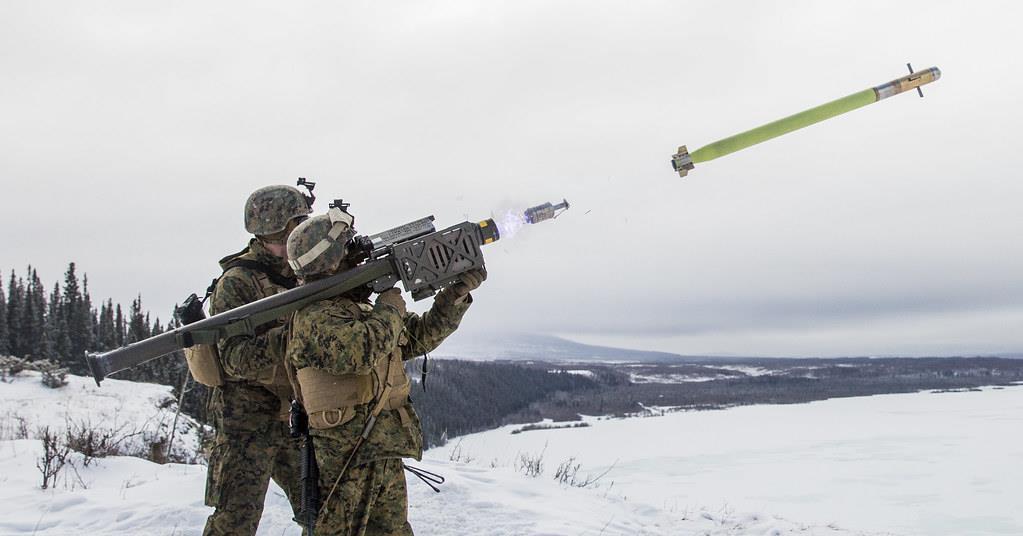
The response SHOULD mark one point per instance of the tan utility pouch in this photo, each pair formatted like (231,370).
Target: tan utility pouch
(330,400)
(204,364)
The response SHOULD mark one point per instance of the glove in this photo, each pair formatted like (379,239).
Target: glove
(468,282)
(392,297)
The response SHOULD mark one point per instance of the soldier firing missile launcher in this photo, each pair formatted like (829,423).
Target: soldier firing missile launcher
(683,160)
(422,258)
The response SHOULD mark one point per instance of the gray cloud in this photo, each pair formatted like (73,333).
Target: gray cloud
(133,133)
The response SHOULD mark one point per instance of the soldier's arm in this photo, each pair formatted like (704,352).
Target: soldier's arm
(245,356)
(426,332)
(334,340)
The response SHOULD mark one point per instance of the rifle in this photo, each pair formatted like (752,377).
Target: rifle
(424,259)
(310,472)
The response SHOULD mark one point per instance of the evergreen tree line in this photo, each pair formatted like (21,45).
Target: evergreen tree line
(62,324)
(462,397)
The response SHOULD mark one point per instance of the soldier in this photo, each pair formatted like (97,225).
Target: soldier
(348,359)
(250,408)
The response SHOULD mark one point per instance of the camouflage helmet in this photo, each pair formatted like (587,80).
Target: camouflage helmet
(319,244)
(269,209)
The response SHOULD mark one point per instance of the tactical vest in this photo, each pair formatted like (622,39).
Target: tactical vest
(204,359)
(330,399)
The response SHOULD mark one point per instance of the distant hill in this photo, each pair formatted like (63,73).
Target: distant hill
(524,347)
(533,347)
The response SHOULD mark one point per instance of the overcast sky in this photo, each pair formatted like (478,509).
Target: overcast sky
(132,132)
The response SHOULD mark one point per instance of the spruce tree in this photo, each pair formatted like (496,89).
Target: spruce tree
(79,318)
(15,315)
(106,334)
(138,324)
(92,320)
(71,293)
(108,329)
(33,322)
(58,344)
(72,299)
(39,311)
(119,337)
(4,346)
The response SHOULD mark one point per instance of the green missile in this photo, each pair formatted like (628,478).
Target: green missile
(683,161)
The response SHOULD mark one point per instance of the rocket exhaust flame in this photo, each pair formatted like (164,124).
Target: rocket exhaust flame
(510,223)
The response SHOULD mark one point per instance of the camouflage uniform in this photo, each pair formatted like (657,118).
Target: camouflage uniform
(348,337)
(253,443)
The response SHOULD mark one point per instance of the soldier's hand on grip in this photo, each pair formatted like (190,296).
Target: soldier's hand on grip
(469,281)
(392,297)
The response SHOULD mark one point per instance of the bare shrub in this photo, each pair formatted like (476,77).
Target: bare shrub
(459,455)
(55,457)
(567,473)
(13,427)
(531,464)
(96,442)
(144,441)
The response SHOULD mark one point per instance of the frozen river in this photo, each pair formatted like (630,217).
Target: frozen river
(925,463)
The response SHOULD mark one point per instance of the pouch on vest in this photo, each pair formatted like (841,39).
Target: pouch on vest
(204,364)
(203,359)
(330,400)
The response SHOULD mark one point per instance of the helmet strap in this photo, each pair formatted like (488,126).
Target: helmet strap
(341,223)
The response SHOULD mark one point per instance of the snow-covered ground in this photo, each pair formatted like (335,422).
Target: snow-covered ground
(925,463)
(671,378)
(711,373)
(749,371)
(577,372)
(142,411)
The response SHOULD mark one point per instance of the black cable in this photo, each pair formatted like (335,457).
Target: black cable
(432,479)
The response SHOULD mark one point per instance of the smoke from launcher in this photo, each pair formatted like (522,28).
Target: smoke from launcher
(510,223)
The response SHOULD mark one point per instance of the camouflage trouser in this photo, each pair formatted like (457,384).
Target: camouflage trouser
(371,499)
(241,466)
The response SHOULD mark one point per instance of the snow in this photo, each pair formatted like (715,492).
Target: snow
(671,378)
(577,372)
(709,376)
(145,409)
(925,463)
(133,496)
(750,371)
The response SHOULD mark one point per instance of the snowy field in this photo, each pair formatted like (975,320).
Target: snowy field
(925,463)
(928,463)
(140,412)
